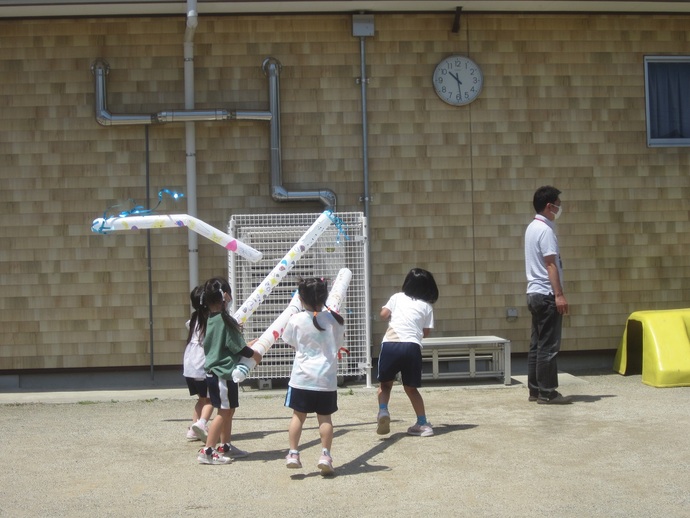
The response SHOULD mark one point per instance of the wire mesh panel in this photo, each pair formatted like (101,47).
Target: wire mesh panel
(342,245)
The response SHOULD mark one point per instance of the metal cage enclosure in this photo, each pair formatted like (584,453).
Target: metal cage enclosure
(342,245)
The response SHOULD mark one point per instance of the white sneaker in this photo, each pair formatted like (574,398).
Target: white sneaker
(201,431)
(292,461)
(425,430)
(383,420)
(211,458)
(228,450)
(191,436)
(326,464)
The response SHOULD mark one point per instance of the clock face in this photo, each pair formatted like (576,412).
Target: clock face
(458,80)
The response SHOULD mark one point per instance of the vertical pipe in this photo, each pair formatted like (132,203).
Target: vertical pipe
(190,142)
(148,250)
(272,68)
(365,168)
(365,134)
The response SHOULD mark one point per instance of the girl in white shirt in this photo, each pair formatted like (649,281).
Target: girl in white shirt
(193,368)
(316,335)
(411,319)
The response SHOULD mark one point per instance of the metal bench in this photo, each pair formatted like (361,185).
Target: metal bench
(495,352)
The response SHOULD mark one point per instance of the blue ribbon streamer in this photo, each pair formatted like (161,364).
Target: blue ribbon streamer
(137,210)
(339,224)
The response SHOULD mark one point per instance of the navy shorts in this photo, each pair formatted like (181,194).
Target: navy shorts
(400,357)
(224,394)
(197,387)
(312,401)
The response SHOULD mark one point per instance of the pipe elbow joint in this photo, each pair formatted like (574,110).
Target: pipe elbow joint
(278,193)
(104,118)
(325,196)
(329,199)
(271,65)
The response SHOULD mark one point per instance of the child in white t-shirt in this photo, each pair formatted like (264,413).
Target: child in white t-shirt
(316,336)
(411,319)
(193,368)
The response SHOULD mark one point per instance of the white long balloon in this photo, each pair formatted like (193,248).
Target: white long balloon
(275,330)
(339,289)
(278,273)
(267,339)
(114,224)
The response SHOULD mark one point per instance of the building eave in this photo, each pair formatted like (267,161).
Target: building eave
(76,8)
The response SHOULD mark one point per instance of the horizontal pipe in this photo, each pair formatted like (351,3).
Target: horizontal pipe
(251,115)
(326,197)
(100,69)
(191,116)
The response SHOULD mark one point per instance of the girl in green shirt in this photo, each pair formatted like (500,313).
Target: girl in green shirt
(224,347)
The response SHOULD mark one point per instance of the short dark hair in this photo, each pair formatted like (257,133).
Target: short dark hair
(420,284)
(543,196)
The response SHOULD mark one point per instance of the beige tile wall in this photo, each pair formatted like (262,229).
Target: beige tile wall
(563,103)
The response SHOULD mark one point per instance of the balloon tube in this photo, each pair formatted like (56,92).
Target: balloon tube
(106,226)
(335,299)
(278,273)
(267,339)
(339,289)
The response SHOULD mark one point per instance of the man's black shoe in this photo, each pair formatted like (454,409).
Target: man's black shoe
(554,398)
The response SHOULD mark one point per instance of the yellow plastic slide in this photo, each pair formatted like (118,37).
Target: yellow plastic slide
(657,345)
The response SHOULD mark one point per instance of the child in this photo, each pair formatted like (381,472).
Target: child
(411,319)
(316,336)
(193,368)
(224,346)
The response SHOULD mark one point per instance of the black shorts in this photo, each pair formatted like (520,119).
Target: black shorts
(197,387)
(312,401)
(402,357)
(224,394)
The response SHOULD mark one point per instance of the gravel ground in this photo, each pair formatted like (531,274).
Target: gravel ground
(620,450)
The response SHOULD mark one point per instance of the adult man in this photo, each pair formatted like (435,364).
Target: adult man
(545,298)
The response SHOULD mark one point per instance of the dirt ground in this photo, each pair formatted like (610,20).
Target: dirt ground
(620,450)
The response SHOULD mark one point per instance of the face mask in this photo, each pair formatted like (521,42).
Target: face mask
(557,214)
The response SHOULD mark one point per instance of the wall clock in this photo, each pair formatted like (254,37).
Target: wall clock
(458,80)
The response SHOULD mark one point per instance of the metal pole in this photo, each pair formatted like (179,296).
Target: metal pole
(148,253)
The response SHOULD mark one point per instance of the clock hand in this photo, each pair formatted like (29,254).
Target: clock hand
(457,78)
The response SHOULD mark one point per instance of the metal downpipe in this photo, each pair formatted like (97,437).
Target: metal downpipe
(190,141)
(100,70)
(363,81)
(271,67)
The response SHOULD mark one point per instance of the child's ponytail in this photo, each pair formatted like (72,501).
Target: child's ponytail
(214,289)
(314,293)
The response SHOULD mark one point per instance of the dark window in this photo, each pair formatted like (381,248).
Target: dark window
(667,83)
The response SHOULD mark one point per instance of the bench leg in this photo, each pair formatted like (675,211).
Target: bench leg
(506,363)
